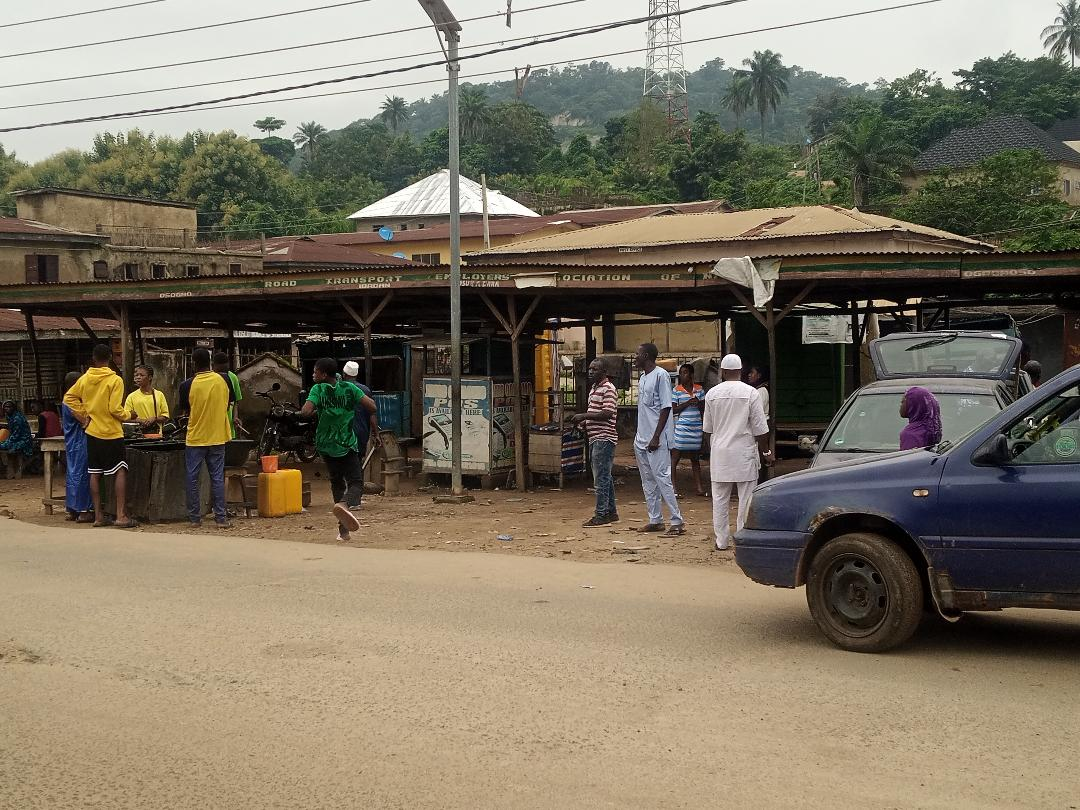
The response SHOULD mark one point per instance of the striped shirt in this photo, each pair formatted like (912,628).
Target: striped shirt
(603,398)
(687,423)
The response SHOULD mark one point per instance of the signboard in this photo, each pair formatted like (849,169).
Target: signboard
(826,329)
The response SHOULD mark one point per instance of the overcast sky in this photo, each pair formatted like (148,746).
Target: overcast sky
(941,37)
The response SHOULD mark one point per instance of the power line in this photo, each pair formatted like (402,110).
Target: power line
(387,72)
(79,14)
(267,51)
(576,60)
(206,27)
(378,61)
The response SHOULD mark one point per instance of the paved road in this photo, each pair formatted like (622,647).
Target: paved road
(206,672)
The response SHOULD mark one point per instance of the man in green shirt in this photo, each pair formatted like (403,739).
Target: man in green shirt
(335,401)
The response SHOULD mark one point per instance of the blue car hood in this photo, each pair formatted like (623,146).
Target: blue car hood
(879,485)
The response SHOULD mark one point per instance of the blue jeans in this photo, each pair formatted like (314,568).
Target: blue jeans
(214,458)
(602,456)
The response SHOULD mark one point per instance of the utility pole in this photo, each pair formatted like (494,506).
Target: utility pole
(446,25)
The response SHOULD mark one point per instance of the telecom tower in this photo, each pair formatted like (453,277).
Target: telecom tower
(665,72)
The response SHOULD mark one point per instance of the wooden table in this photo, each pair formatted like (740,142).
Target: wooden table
(51,449)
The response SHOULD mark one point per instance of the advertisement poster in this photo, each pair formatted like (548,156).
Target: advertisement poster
(487,425)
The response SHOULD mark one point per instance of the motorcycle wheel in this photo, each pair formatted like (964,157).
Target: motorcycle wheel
(307,453)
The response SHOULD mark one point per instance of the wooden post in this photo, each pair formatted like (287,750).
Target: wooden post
(234,349)
(369,365)
(856,346)
(127,348)
(770,327)
(32,333)
(514,328)
(365,322)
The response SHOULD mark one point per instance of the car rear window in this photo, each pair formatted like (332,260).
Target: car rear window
(950,355)
(872,424)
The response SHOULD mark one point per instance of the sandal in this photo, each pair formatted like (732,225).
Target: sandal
(102,524)
(652,527)
(675,531)
(130,523)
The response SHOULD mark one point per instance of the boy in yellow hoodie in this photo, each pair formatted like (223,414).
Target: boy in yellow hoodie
(97,402)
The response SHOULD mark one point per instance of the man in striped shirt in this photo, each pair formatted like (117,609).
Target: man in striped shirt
(599,421)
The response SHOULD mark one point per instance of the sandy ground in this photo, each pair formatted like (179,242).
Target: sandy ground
(151,670)
(543,522)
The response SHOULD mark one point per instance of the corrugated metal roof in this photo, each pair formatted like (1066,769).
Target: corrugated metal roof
(431,197)
(757,225)
(31,227)
(587,217)
(12,320)
(305,250)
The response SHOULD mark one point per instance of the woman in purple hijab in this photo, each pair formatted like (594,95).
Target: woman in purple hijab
(923,413)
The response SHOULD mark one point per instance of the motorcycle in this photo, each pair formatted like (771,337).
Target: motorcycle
(286,431)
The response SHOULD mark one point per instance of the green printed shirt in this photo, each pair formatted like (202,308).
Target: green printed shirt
(336,406)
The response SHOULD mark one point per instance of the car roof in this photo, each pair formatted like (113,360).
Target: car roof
(935,385)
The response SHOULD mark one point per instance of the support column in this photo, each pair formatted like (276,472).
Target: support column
(607,333)
(365,322)
(32,333)
(856,346)
(127,348)
(770,327)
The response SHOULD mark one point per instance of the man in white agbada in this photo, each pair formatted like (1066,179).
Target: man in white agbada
(738,438)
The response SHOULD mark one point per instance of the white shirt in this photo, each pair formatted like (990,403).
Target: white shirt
(763,395)
(733,417)
(654,394)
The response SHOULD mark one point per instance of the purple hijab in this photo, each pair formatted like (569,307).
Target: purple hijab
(924,420)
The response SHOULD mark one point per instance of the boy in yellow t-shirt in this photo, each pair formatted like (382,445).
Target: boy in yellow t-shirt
(147,404)
(205,399)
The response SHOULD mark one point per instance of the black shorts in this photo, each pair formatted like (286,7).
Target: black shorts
(104,456)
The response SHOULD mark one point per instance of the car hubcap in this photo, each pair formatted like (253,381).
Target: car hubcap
(856,594)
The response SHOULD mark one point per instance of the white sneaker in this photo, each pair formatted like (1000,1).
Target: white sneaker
(346,518)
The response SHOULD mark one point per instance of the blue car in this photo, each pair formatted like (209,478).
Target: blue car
(985,523)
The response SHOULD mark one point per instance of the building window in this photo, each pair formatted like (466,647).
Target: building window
(159,271)
(427,258)
(1067,188)
(131,272)
(235,269)
(42,269)
(404,226)
(420,226)
(376,228)
(192,270)
(101,269)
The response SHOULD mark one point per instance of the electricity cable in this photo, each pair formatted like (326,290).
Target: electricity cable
(79,13)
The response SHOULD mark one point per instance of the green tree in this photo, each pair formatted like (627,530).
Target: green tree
(1013,195)
(738,97)
(9,166)
(307,137)
(871,152)
(269,125)
(474,113)
(1063,37)
(281,149)
(768,83)
(394,112)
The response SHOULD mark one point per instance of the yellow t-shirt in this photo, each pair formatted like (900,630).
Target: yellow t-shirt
(143,405)
(205,398)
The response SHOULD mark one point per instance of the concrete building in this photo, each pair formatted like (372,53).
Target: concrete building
(965,148)
(96,212)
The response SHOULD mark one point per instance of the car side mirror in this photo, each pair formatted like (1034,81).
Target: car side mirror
(994,453)
(275,387)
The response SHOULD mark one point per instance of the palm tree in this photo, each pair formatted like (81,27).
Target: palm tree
(269,124)
(1064,35)
(768,83)
(307,135)
(474,112)
(394,112)
(737,98)
(870,150)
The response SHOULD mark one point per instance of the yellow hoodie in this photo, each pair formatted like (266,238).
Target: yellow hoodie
(99,394)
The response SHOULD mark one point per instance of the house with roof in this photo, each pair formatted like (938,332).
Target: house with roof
(965,148)
(426,203)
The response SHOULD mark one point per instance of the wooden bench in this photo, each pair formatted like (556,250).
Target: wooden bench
(52,450)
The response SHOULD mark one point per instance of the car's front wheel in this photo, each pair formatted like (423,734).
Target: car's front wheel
(864,593)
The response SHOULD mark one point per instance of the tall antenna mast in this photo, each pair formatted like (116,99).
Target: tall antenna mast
(665,71)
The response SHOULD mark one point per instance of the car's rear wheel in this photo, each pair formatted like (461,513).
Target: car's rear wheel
(864,593)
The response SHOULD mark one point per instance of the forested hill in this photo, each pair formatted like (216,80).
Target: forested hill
(584,97)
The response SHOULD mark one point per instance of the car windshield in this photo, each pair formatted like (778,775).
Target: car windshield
(947,354)
(872,424)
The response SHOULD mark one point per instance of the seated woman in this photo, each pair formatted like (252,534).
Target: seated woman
(923,413)
(19,444)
